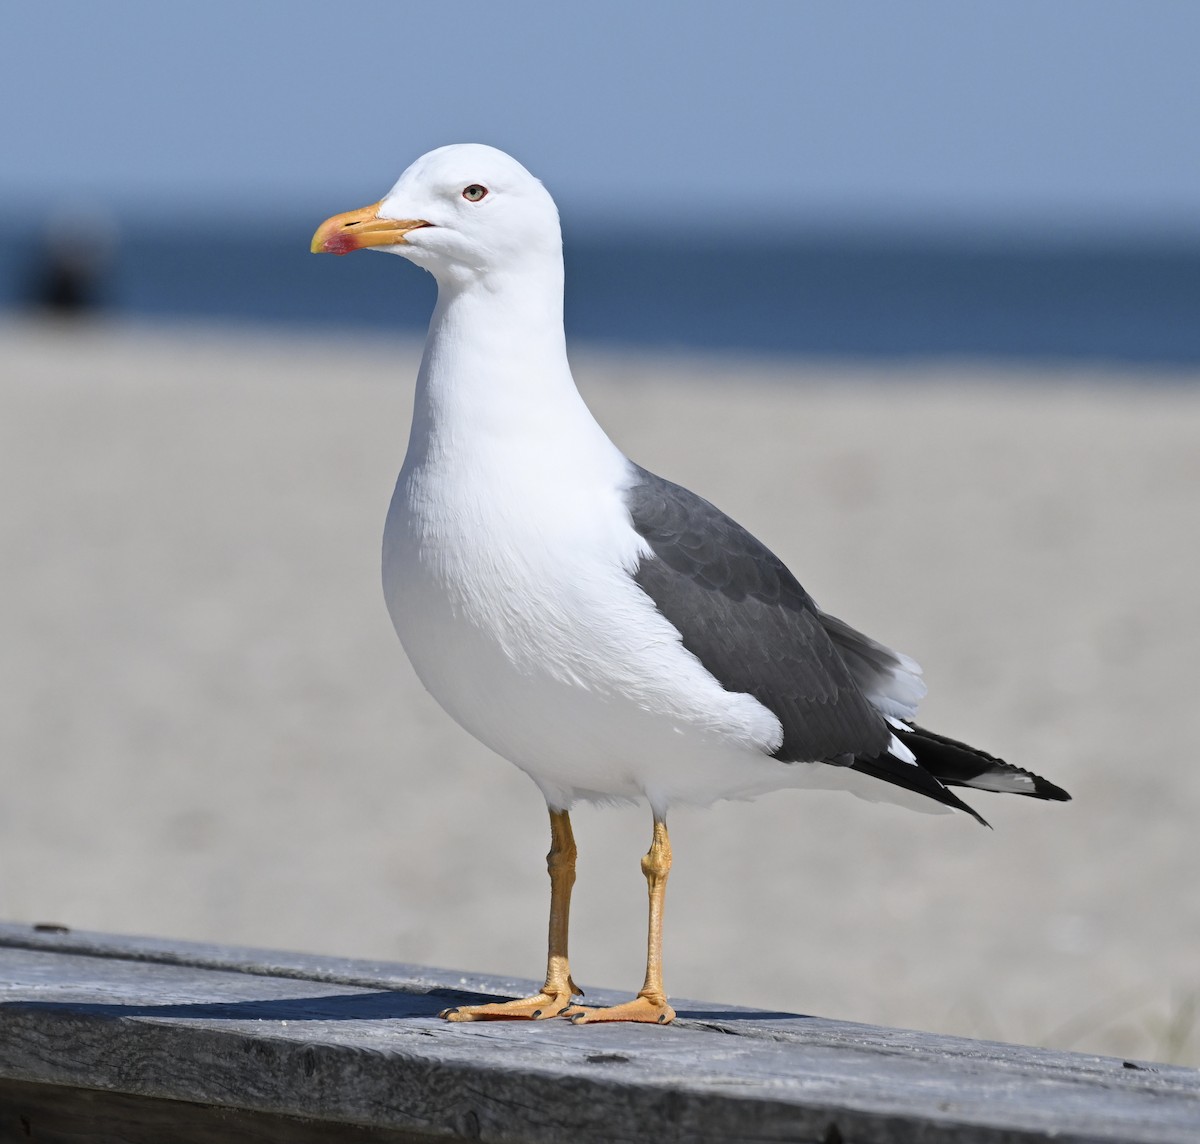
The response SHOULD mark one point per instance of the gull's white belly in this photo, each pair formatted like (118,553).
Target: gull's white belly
(545,649)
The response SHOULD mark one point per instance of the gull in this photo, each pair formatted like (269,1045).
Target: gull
(612,634)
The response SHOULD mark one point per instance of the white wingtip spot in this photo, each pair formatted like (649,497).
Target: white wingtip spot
(899,751)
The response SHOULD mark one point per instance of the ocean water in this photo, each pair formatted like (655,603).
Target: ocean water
(844,296)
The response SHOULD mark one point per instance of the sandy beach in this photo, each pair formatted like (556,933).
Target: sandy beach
(209,730)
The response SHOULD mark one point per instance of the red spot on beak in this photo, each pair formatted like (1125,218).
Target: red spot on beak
(339,244)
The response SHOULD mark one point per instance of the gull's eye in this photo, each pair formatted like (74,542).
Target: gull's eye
(474,193)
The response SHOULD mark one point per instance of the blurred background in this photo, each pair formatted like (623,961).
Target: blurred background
(925,277)
(1008,180)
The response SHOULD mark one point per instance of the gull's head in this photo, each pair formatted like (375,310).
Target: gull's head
(459,211)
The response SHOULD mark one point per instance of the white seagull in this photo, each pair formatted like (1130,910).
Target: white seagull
(610,633)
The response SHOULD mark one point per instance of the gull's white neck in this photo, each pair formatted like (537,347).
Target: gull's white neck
(494,377)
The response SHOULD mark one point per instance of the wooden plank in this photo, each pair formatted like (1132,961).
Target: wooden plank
(54,1114)
(359,1043)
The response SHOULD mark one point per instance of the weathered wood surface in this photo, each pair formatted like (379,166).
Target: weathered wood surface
(107,1029)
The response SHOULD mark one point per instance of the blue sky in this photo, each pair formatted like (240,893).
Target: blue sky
(1000,112)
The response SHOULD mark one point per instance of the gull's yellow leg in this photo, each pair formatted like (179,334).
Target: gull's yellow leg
(556,993)
(650,1005)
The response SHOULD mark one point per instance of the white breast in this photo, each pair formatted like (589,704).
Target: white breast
(508,581)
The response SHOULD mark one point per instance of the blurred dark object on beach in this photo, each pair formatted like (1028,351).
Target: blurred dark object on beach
(71,266)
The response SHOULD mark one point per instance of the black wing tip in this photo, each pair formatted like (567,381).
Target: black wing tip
(915,778)
(973,813)
(958,764)
(1044,788)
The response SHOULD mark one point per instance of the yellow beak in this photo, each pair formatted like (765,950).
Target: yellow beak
(356,230)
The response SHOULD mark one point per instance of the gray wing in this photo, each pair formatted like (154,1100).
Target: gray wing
(747,619)
(892,682)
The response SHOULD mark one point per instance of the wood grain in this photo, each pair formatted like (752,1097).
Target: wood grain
(359,1044)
